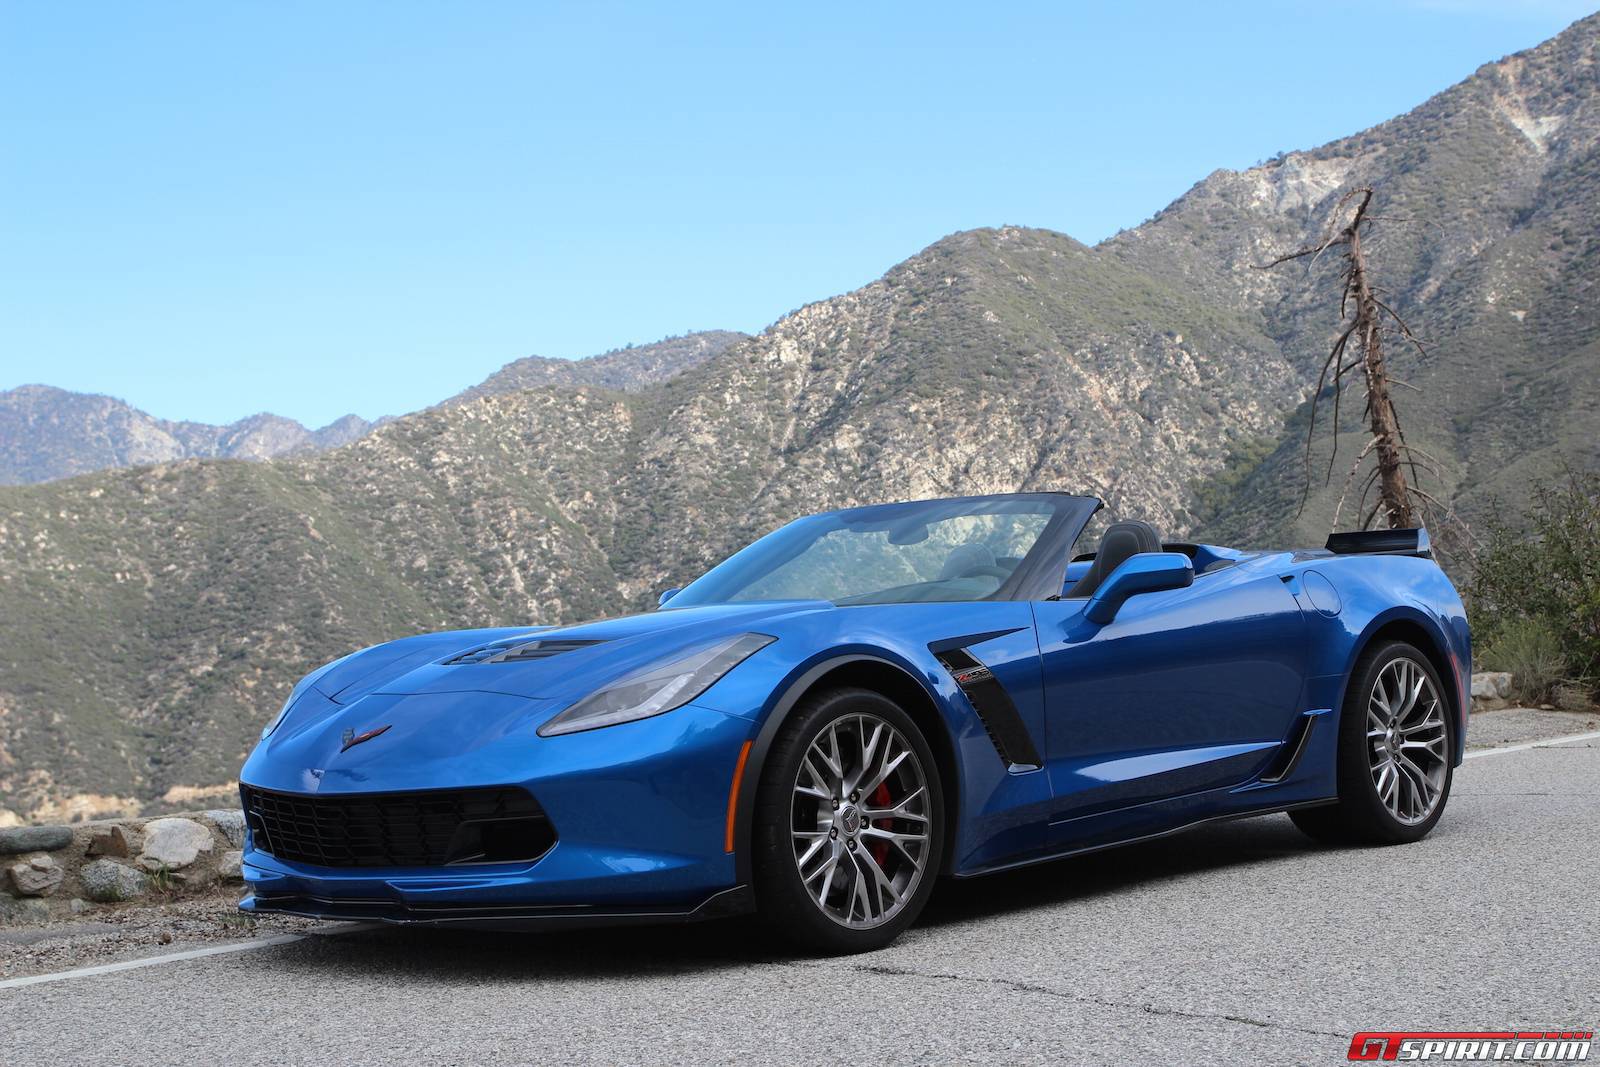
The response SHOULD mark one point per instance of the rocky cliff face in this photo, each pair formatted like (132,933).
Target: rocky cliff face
(155,617)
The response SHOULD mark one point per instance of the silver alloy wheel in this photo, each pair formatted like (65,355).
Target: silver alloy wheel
(860,819)
(1406,740)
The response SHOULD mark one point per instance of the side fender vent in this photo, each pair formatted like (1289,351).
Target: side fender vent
(1294,746)
(1006,730)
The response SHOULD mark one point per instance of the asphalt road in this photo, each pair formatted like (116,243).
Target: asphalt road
(1239,943)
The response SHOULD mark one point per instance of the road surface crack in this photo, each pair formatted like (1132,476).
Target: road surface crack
(1102,1002)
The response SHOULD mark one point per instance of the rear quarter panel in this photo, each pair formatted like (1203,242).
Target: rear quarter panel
(1350,600)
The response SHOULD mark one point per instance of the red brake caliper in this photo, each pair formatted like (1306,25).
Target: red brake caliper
(879,847)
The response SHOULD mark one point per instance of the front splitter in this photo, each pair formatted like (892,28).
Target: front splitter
(739,900)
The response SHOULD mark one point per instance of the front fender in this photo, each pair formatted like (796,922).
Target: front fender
(991,809)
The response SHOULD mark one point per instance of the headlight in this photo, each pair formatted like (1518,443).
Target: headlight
(657,688)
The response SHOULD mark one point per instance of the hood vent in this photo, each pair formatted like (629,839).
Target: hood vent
(517,651)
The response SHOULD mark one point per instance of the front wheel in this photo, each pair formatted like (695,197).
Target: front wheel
(849,824)
(1395,742)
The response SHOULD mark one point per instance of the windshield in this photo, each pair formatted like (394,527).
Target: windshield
(975,548)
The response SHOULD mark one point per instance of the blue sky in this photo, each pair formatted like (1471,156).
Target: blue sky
(216,209)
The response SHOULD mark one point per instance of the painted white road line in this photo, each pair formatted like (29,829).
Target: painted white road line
(151,961)
(1546,743)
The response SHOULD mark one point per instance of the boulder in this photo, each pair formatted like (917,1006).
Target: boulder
(231,823)
(1491,685)
(114,840)
(108,881)
(230,866)
(25,912)
(16,839)
(173,844)
(36,876)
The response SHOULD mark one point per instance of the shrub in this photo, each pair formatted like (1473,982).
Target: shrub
(1549,575)
(1531,650)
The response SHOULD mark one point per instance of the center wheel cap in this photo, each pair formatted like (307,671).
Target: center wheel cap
(850,820)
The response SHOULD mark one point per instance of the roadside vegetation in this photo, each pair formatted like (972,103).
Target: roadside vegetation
(1534,597)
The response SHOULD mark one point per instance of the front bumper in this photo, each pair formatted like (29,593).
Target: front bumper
(639,812)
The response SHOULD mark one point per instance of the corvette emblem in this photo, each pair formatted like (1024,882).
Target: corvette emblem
(349,739)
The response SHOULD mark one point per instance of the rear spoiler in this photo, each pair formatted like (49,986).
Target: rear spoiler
(1382,543)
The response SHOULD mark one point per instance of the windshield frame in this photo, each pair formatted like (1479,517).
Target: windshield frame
(1039,575)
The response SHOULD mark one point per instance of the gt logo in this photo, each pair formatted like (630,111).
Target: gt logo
(349,739)
(1472,1045)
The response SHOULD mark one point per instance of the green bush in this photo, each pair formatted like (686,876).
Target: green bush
(1531,650)
(1546,577)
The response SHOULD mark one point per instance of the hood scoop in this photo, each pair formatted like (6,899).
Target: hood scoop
(517,650)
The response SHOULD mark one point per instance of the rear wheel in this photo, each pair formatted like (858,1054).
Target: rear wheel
(849,824)
(1395,743)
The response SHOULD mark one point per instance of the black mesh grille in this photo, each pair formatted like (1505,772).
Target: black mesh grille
(503,651)
(421,829)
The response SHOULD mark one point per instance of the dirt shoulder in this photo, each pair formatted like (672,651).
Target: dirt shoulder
(1519,726)
(111,935)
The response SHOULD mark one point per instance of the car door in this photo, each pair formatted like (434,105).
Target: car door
(1185,690)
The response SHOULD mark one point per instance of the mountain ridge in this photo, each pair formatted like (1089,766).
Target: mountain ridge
(48,433)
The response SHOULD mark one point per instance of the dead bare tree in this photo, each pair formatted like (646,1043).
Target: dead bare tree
(1360,347)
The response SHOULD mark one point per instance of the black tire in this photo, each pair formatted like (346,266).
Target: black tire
(784,903)
(1361,816)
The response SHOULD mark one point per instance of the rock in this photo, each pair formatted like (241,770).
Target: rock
(20,912)
(114,840)
(36,876)
(108,881)
(1491,685)
(77,905)
(231,823)
(173,844)
(17,839)
(231,865)
(195,876)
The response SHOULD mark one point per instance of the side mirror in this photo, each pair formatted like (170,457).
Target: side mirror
(1144,572)
(667,595)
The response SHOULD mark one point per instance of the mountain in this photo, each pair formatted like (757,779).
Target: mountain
(1493,258)
(157,616)
(627,369)
(48,433)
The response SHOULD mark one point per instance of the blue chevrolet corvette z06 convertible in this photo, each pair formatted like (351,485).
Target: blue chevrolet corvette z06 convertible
(858,704)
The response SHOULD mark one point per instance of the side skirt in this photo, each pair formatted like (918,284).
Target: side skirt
(1083,850)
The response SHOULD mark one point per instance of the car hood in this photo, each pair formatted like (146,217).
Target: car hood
(580,658)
